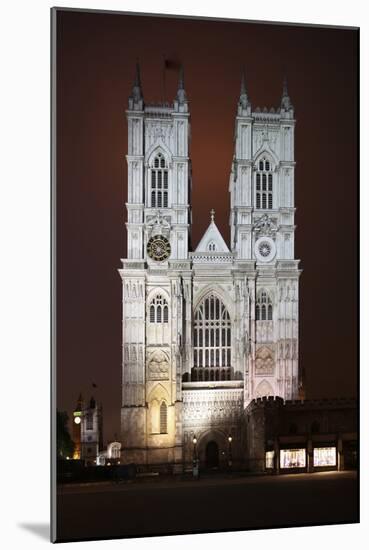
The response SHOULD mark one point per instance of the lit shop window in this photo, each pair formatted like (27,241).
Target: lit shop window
(325,456)
(269,459)
(293,458)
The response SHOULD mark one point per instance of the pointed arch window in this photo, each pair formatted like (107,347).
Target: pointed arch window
(159,182)
(264,307)
(264,185)
(212,341)
(163,418)
(158,310)
(211,246)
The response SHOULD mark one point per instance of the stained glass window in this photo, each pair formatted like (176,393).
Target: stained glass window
(212,341)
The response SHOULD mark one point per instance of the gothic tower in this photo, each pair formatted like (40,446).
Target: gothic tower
(262,235)
(155,276)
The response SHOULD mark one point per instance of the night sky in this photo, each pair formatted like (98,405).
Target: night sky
(96,55)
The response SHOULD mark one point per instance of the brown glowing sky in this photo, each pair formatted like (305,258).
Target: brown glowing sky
(96,54)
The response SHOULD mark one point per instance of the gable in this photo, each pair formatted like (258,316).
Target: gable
(212,241)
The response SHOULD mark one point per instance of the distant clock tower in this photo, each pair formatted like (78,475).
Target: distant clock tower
(76,428)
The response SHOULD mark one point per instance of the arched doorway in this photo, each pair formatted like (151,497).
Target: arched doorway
(212,455)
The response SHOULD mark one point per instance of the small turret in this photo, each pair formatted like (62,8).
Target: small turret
(135,100)
(180,102)
(286,104)
(244,105)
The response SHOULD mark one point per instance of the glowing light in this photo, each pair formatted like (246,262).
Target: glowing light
(68,458)
(325,456)
(194,440)
(230,439)
(293,458)
(269,459)
(77,420)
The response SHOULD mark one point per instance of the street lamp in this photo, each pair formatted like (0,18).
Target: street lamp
(229,450)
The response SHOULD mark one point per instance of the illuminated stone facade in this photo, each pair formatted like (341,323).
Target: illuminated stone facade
(205,331)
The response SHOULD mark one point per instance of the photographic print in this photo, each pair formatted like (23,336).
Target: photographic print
(205,204)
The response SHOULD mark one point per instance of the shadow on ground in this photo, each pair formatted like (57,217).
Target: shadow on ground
(42,530)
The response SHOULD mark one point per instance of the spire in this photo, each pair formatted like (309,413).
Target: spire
(286,101)
(212,215)
(181,94)
(181,78)
(137,76)
(285,90)
(136,95)
(244,100)
(243,83)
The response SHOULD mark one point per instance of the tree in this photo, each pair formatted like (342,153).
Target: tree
(64,443)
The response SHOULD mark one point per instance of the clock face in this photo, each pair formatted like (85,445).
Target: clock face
(158,248)
(77,420)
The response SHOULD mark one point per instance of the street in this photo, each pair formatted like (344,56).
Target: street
(158,507)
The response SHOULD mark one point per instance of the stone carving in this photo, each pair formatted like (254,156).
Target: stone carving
(265,135)
(294,350)
(158,131)
(264,389)
(287,355)
(133,265)
(158,224)
(265,226)
(264,331)
(203,407)
(158,367)
(264,362)
(133,291)
(223,258)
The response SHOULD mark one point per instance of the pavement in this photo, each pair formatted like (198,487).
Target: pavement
(158,506)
